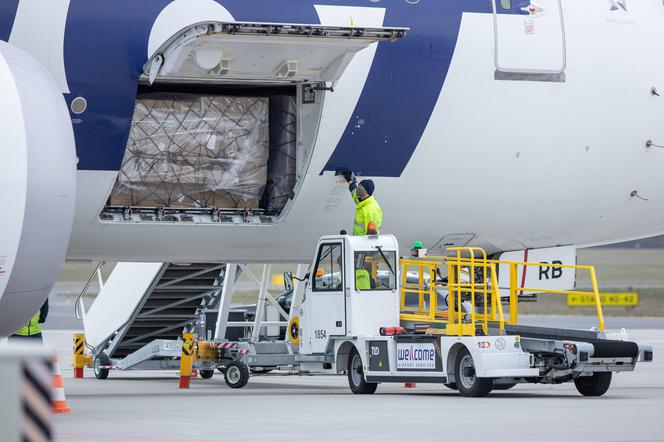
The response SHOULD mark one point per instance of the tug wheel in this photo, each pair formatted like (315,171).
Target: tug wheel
(237,374)
(595,385)
(466,381)
(294,330)
(206,374)
(358,384)
(101,360)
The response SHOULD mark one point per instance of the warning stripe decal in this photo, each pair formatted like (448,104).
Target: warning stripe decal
(35,383)
(219,345)
(36,421)
(32,419)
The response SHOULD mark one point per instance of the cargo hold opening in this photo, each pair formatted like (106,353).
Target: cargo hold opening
(210,147)
(226,119)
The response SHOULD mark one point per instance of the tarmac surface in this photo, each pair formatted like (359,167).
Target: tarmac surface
(148,406)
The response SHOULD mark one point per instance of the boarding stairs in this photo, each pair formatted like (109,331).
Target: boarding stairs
(144,302)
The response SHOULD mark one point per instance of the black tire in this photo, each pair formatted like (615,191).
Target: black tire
(451,386)
(237,374)
(503,387)
(206,374)
(100,360)
(356,381)
(595,385)
(467,383)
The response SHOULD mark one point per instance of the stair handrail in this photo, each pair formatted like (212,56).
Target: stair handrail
(79,307)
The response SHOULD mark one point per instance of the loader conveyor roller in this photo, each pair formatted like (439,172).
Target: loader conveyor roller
(604,348)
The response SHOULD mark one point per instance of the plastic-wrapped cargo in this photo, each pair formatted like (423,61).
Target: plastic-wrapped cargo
(192,151)
(281,175)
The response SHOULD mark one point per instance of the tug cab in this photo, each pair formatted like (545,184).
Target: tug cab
(379,318)
(353,290)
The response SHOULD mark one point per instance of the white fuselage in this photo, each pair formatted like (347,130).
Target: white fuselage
(505,165)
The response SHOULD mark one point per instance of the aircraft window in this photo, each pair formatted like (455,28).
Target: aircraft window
(506,4)
(375,271)
(328,275)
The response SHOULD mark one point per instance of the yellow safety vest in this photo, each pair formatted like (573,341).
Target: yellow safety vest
(362,279)
(367,211)
(32,327)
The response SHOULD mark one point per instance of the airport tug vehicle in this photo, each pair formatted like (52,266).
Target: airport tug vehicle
(380,318)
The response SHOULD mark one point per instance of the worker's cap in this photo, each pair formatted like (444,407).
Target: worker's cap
(369,186)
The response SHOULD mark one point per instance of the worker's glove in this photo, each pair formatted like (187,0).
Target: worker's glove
(350,179)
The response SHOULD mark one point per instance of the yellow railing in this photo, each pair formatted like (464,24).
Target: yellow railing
(492,310)
(473,276)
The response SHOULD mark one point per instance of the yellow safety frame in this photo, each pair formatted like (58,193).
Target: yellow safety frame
(462,267)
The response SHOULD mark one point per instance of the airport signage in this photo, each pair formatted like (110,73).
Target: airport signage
(416,356)
(607,299)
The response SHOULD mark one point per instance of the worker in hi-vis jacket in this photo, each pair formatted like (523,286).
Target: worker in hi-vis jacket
(367,211)
(33,328)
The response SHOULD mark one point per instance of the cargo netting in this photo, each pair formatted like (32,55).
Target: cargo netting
(281,170)
(192,151)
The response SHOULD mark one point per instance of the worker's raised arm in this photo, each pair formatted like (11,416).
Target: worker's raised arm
(352,186)
(353,191)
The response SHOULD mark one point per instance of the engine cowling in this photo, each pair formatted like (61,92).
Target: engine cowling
(37,185)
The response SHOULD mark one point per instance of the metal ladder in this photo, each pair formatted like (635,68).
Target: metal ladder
(170,305)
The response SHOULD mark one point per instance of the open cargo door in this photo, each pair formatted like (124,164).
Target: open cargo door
(262,52)
(220,135)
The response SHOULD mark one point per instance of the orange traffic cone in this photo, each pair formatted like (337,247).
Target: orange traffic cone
(58,401)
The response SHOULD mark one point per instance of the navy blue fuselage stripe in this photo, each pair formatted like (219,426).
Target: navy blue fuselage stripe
(404,82)
(8,10)
(105,49)
(402,88)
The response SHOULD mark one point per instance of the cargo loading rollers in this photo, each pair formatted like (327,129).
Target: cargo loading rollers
(361,311)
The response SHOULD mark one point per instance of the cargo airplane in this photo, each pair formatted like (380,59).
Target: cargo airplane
(511,125)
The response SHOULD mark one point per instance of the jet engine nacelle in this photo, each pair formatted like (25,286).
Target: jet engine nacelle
(37,185)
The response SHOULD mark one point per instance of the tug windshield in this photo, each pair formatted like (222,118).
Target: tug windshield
(374,270)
